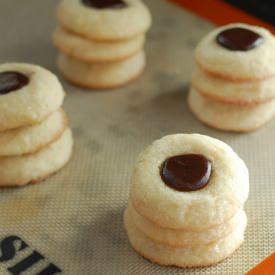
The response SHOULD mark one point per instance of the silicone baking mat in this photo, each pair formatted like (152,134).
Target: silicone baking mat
(73,221)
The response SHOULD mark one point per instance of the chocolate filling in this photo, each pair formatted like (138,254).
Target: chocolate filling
(105,4)
(11,81)
(239,39)
(188,172)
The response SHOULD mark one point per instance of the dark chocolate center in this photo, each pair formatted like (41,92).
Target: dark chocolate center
(239,39)
(11,81)
(188,172)
(105,4)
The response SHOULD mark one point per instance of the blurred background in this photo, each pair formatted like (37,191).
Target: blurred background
(222,12)
(262,9)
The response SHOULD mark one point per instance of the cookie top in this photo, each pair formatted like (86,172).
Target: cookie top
(28,94)
(223,188)
(115,20)
(237,52)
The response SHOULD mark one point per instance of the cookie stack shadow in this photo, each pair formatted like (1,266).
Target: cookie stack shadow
(98,50)
(232,85)
(35,140)
(187,229)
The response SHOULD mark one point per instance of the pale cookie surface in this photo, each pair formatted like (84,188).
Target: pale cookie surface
(199,256)
(217,202)
(32,103)
(229,117)
(241,93)
(257,63)
(20,170)
(26,140)
(105,24)
(183,238)
(101,76)
(89,50)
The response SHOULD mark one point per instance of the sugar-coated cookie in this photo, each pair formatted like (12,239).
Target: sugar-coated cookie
(219,174)
(238,93)
(186,201)
(20,170)
(183,238)
(238,65)
(229,117)
(104,20)
(89,50)
(28,95)
(199,256)
(29,139)
(101,76)
(233,78)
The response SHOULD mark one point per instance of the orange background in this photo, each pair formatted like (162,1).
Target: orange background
(223,13)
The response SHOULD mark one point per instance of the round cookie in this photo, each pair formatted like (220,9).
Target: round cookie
(101,76)
(224,194)
(88,50)
(183,238)
(229,117)
(238,93)
(26,140)
(232,65)
(20,170)
(28,95)
(95,20)
(199,256)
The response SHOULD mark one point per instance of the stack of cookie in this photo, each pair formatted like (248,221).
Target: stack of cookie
(101,41)
(35,140)
(186,201)
(233,79)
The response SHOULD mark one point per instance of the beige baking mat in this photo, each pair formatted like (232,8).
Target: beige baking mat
(74,219)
